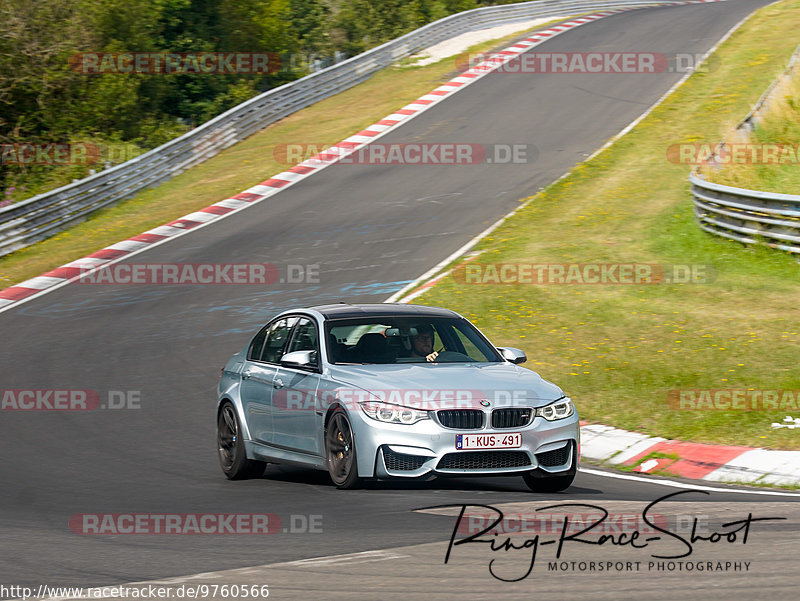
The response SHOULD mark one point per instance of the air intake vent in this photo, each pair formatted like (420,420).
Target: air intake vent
(461,419)
(483,460)
(400,462)
(554,458)
(511,418)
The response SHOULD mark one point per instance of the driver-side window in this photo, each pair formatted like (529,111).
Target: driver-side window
(468,346)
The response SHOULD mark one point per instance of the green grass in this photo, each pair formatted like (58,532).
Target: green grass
(618,350)
(238,167)
(779,124)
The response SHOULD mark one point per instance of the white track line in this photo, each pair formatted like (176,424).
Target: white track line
(674,484)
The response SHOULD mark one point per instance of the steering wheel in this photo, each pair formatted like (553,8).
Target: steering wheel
(453,357)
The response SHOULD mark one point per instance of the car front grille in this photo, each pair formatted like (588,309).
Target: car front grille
(554,458)
(461,419)
(483,460)
(511,418)
(400,462)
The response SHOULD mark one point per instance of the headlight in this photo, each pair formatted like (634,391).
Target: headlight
(558,410)
(393,414)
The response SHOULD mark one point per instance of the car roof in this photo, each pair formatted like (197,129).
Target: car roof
(345,311)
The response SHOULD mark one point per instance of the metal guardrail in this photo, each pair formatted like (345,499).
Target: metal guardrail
(41,216)
(749,216)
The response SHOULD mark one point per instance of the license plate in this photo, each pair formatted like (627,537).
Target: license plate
(511,440)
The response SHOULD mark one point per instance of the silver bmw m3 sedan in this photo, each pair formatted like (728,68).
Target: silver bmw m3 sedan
(391,391)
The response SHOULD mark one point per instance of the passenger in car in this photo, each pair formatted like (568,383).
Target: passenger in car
(338,350)
(373,348)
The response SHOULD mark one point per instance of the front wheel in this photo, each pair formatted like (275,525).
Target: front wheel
(548,484)
(230,447)
(541,481)
(341,451)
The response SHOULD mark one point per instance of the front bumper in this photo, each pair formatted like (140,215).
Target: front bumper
(427,448)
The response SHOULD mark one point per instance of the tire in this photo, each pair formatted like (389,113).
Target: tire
(539,480)
(340,451)
(548,484)
(230,447)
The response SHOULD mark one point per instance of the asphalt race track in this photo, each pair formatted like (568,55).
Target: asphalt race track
(371,229)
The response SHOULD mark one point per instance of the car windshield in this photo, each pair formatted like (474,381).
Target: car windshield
(407,340)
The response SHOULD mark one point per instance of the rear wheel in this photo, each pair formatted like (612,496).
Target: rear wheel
(341,451)
(230,447)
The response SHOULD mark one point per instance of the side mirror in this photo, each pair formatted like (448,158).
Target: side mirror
(301,359)
(514,355)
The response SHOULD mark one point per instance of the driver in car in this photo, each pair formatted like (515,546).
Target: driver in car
(422,343)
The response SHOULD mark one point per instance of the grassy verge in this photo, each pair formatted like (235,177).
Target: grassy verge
(239,167)
(780,124)
(619,349)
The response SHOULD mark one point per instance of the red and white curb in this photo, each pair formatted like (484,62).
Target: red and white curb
(52,280)
(718,463)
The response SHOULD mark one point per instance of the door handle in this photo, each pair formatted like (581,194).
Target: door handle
(278,383)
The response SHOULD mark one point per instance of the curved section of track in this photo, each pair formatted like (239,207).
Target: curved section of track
(371,229)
